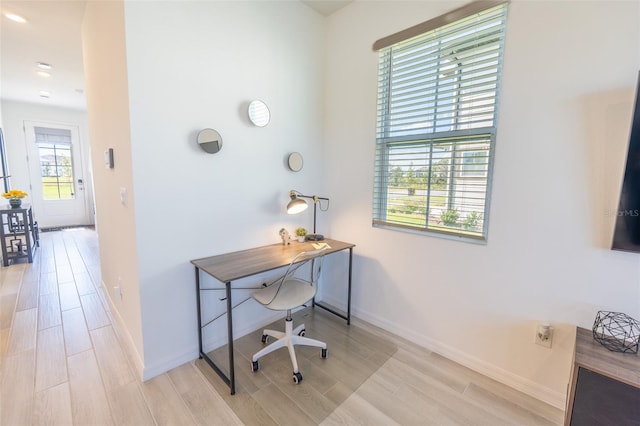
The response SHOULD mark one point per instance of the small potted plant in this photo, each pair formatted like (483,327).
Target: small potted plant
(15,197)
(301,233)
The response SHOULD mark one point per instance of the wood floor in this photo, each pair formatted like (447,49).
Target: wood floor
(61,362)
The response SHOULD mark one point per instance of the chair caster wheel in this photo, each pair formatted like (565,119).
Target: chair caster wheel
(302,332)
(254,366)
(324,353)
(297,378)
(265,338)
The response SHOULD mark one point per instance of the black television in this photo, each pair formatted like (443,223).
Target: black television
(626,234)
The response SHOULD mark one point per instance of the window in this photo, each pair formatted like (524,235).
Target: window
(56,169)
(438,88)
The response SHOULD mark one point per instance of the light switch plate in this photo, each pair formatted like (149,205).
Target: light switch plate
(123,196)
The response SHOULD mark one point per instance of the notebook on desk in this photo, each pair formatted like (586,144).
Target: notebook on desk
(319,246)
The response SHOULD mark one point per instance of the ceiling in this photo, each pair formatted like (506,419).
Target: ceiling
(326,7)
(52,34)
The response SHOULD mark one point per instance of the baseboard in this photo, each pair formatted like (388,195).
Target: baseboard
(149,372)
(167,364)
(123,331)
(522,384)
(146,372)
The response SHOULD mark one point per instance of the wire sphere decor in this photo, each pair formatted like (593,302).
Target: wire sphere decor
(616,331)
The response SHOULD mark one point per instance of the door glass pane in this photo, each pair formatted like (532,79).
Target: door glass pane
(56,170)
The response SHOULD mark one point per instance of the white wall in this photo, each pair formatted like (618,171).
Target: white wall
(105,69)
(194,65)
(568,80)
(14,115)
(564,122)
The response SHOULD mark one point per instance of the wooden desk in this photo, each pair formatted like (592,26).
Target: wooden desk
(230,267)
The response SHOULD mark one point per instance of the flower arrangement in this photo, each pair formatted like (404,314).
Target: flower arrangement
(15,197)
(14,194)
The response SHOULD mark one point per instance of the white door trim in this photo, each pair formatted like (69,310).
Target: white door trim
(33,165)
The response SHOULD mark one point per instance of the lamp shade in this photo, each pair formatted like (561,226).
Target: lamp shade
(296,205)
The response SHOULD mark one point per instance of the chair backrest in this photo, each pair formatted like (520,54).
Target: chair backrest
(296,263)
(302,259)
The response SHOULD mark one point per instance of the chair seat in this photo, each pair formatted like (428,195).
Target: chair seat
(293,292)
(285,294)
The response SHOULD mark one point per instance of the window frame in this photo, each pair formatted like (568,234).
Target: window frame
(57,141)
(388,137)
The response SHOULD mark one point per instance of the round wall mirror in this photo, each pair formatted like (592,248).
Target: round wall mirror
(210,141)
(295,161)
(259,113)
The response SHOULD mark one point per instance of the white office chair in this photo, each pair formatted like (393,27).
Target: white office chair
(284,294)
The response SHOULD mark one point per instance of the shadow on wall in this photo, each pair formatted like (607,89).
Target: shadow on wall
(376,295)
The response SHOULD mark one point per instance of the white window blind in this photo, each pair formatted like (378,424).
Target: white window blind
(436,126)
(52,136)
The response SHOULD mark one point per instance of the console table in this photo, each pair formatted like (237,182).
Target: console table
(18,234)
(605,385)
(230,267)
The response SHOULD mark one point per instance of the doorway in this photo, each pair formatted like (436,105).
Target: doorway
(57,175)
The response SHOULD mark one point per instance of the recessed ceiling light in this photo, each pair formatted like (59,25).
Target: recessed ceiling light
(44,65)
(45,94)
(14,17)
(43,73)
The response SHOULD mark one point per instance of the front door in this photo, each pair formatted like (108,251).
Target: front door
(56,170)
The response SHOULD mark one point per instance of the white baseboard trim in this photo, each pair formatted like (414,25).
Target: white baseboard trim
(123,331)
(143,371)
(522,384)
(146,372)
(167,364)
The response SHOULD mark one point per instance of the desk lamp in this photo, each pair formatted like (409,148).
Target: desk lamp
(298,205)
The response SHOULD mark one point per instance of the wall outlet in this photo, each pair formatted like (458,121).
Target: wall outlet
(544,335)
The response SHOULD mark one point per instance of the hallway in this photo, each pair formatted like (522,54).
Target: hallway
(60,358)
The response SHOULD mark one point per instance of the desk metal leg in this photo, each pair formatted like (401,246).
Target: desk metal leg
(199,312)
(232,372)
(349,295)
(334,312)
(231,380)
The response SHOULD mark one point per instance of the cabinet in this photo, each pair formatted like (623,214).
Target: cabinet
(18,234)
(605,385)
